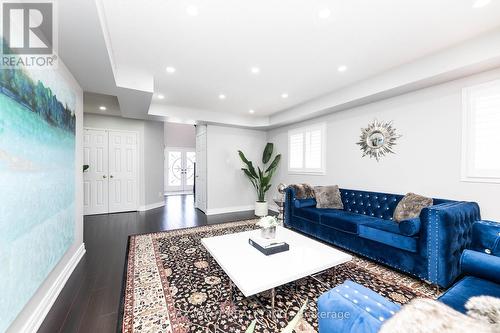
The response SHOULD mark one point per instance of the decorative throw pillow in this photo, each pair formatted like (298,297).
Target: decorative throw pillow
(484,308)
(328,197)
(303,191)
(429,316)
(410,207)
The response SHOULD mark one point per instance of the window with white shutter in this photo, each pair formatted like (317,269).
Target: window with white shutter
(306,149)
(481,133)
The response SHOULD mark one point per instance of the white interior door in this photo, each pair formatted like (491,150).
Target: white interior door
(123,187)
(95,179)
(179,169)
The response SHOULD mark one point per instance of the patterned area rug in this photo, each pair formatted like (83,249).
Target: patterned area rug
(172,284)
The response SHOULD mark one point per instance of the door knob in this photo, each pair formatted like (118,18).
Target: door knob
(103,176)
(111,176)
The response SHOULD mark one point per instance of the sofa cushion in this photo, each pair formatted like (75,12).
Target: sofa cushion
(410,227)
(486,237)
(468,287)
(373,204)
(300,203)
(312,213)
(387,232)
(410,206)
(481,265)
(344,221)
(350,307)
(328,197)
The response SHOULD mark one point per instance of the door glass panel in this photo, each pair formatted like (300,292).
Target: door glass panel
(190,160)
(174,168)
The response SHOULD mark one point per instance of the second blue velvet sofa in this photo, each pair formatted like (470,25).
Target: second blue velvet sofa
(367,310)
(427,247)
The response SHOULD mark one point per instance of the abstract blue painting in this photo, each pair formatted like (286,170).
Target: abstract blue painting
(37,182)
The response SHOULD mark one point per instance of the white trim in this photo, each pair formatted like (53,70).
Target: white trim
(168,194)
(151,206)
(110,129)
(38,316)
(224,210)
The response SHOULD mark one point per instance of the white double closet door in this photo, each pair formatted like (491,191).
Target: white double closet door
(110,182)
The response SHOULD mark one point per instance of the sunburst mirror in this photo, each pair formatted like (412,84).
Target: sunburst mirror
(378,139)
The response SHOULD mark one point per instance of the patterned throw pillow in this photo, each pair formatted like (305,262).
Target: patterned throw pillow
(303,191)
(410,207)
(328,197)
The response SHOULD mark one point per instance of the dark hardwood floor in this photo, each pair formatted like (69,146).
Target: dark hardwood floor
(90,300)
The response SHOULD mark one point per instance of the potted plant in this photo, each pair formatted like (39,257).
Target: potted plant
(261,178)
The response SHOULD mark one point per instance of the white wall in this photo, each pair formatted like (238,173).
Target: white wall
(180,135)
(428,156)
(150,152)
(153,162)
(31,317)
(228,189)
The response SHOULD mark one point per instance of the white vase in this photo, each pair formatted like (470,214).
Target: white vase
(261,208)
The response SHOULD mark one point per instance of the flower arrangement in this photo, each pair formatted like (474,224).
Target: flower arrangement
(268,222)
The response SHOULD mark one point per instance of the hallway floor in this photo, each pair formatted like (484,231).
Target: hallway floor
(90,300)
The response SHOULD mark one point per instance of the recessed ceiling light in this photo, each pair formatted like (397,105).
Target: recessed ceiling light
(481,3)
(284,95)
(324,13)
(342,68)
(255,70)
(222,96)
(102,108)
(161,96)
(170,69)
(192,10)
(251,111)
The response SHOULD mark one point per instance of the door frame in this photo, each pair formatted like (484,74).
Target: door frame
(165,169)
(139,158)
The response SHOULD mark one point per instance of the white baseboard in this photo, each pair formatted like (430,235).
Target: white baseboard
(224,210)
(38,316)
(178,193)
(151,206)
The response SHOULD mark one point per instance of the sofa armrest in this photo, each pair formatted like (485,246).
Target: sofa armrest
(289,205)
(481,265)
(486,237)
(446,230)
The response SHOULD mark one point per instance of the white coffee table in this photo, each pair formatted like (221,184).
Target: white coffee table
(253,272)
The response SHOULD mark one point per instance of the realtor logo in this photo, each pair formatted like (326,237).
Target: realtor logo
(28,31)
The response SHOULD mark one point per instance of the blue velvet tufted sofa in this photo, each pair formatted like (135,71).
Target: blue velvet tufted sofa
(427,247)
(352,308)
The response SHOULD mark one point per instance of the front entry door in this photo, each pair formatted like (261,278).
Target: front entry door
(179,169)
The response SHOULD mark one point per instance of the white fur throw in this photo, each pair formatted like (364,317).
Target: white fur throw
(484,308)
(430,316)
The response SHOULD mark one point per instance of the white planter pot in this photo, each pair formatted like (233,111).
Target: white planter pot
(261,208)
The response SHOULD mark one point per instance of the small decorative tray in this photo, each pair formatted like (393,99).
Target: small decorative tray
(271,248)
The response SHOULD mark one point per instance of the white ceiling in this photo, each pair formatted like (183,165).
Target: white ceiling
(296,51)
(121,48)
